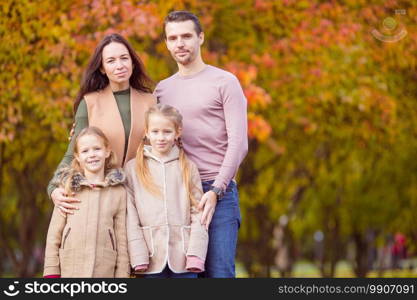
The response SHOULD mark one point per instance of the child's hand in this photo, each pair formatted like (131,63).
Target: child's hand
(62,201)
(141,268)
(208,204)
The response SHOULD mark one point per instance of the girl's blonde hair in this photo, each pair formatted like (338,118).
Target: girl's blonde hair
(142,168)
(75,167)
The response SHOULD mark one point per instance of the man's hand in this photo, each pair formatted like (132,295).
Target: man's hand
(62,201)
(208,205)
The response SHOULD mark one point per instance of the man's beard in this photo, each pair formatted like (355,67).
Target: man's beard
(185,60)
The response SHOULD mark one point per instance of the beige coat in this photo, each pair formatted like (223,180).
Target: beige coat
(92,242)
(163,230)
(103,113)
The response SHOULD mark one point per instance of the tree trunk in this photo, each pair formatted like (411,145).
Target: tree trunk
(333,245)
(361,255)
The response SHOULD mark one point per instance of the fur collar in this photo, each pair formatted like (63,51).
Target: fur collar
(112,178)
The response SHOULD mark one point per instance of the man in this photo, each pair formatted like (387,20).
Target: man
(213,106)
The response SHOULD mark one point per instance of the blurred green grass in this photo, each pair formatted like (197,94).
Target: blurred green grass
(306,269)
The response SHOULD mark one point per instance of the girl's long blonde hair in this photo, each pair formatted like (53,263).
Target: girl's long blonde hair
(75,167)
(142,168)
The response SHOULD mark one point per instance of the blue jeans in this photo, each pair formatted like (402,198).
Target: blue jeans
(223,231)
(167,273)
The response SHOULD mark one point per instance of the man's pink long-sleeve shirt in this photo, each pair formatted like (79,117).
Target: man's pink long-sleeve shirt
(214,111)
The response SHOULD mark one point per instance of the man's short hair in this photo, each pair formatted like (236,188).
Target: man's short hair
(181,16)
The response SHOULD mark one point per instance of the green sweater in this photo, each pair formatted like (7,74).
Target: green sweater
(81,122)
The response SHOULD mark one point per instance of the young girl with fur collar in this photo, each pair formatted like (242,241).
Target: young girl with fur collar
(91,241)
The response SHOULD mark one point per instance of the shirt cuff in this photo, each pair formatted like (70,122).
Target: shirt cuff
(140,268)
(194,262)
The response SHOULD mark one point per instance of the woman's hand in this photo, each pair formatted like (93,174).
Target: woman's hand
(63,201)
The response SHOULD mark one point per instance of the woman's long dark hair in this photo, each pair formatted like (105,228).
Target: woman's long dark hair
(94,80)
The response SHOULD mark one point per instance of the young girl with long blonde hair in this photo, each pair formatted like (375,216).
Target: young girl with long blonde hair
(165,236)
(92,241)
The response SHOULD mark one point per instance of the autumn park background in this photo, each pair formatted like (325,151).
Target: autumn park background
(329,187)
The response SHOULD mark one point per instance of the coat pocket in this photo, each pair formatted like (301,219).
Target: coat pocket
(147,235)
(185,235)
(112,241)
(65,237)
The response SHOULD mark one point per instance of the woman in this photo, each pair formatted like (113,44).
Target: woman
(114,96)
